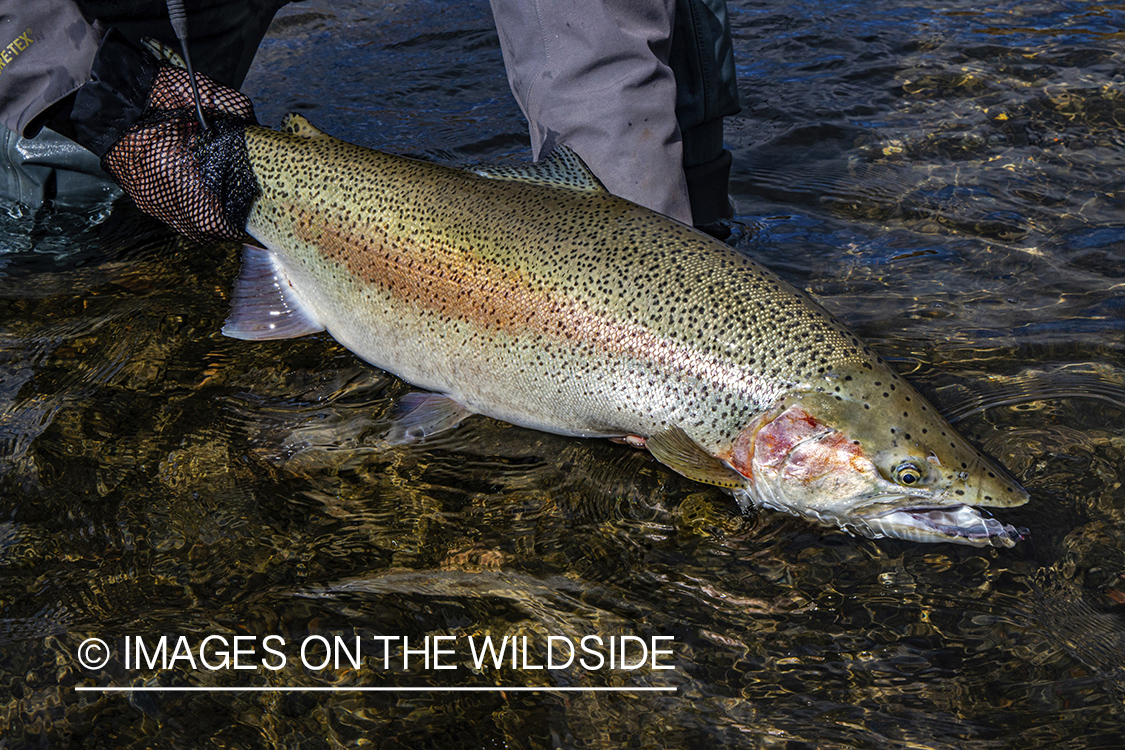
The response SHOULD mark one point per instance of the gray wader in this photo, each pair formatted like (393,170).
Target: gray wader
(637,88)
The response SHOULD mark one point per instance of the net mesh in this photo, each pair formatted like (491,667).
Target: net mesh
(198,182)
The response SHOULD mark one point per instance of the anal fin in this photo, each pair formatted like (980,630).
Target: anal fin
(677,451)
(264,304)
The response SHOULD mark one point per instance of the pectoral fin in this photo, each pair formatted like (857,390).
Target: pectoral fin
(419,415)
(677,451)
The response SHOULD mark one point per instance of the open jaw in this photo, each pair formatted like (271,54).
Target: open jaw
(960,524)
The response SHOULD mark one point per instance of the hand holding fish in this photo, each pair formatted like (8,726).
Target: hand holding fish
(178,173)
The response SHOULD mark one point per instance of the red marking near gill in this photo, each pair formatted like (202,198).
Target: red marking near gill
(792,427)
(741,457)
(826,455)
(796,442)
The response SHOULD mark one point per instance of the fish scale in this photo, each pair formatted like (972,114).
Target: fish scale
(532,295)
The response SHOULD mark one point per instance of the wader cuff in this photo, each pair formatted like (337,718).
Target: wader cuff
(707,190)
(106,106)
(703,143)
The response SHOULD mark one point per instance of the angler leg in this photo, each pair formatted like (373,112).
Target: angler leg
(702,58)
(594,75)
(639,90)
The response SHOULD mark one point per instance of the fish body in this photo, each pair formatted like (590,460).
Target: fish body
(532,295)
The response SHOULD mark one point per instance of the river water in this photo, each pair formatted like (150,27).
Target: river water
(946,180)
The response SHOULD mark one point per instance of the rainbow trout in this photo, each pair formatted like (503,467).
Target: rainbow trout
(532,295)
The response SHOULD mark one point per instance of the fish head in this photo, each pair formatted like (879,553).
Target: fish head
(872,456)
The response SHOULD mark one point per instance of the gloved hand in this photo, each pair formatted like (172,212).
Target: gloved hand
(198,182)
(139,117)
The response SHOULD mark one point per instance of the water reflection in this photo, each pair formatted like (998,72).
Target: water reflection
(942,178)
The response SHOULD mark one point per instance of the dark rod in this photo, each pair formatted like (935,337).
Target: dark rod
(178,17)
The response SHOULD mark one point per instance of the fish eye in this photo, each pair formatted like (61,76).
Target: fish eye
(907,473)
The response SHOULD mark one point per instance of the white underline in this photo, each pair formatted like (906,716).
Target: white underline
(297,689)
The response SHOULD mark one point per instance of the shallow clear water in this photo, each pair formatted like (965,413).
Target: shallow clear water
(944,179)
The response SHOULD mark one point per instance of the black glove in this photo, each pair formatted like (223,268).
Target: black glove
(140,118)
(198,182)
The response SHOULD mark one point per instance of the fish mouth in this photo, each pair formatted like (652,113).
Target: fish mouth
(960,524)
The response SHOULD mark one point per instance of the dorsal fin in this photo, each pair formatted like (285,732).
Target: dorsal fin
(560,168)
